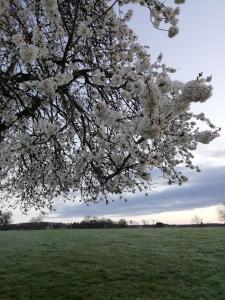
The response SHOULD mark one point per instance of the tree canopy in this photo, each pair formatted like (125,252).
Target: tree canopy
(5,219)
(83,108)
(221,213)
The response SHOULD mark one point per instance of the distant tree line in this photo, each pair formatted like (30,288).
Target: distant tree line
(95,225)
(88,222)
(93,222)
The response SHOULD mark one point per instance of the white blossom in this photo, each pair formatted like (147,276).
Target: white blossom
(37,36)
(139,87)
(173,30)
(196,91)
(164,83)
(28,53)
(206,136)
(83,30)
(116,79)
(48,85)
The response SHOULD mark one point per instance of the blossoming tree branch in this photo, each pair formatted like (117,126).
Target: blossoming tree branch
(83,109)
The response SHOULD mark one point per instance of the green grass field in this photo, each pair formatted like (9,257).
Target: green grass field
(113,264)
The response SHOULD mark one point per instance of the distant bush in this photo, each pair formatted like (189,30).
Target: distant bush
(160,225)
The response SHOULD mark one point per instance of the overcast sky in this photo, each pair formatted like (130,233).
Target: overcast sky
(199,47)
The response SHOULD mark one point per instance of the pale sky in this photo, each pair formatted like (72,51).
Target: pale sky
(199,47)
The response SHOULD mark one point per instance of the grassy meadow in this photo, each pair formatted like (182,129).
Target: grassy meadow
(138,264)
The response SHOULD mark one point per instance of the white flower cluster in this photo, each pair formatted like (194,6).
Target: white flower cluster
(51,6)
(159,13)
(164,83)
(83,30)
(28,53)
(38,38)
(206,136)
(173,30)
(196,91)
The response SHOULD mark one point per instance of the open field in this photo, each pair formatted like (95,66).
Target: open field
(113,264)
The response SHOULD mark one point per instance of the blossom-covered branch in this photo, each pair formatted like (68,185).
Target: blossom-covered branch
(82,107)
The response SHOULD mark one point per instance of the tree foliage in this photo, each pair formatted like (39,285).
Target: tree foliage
(82,106)
(197,220)
(221,213)
(5,219)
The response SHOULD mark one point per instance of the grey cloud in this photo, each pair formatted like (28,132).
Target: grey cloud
(204,189)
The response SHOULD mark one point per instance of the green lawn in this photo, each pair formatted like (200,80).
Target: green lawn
(113,264)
